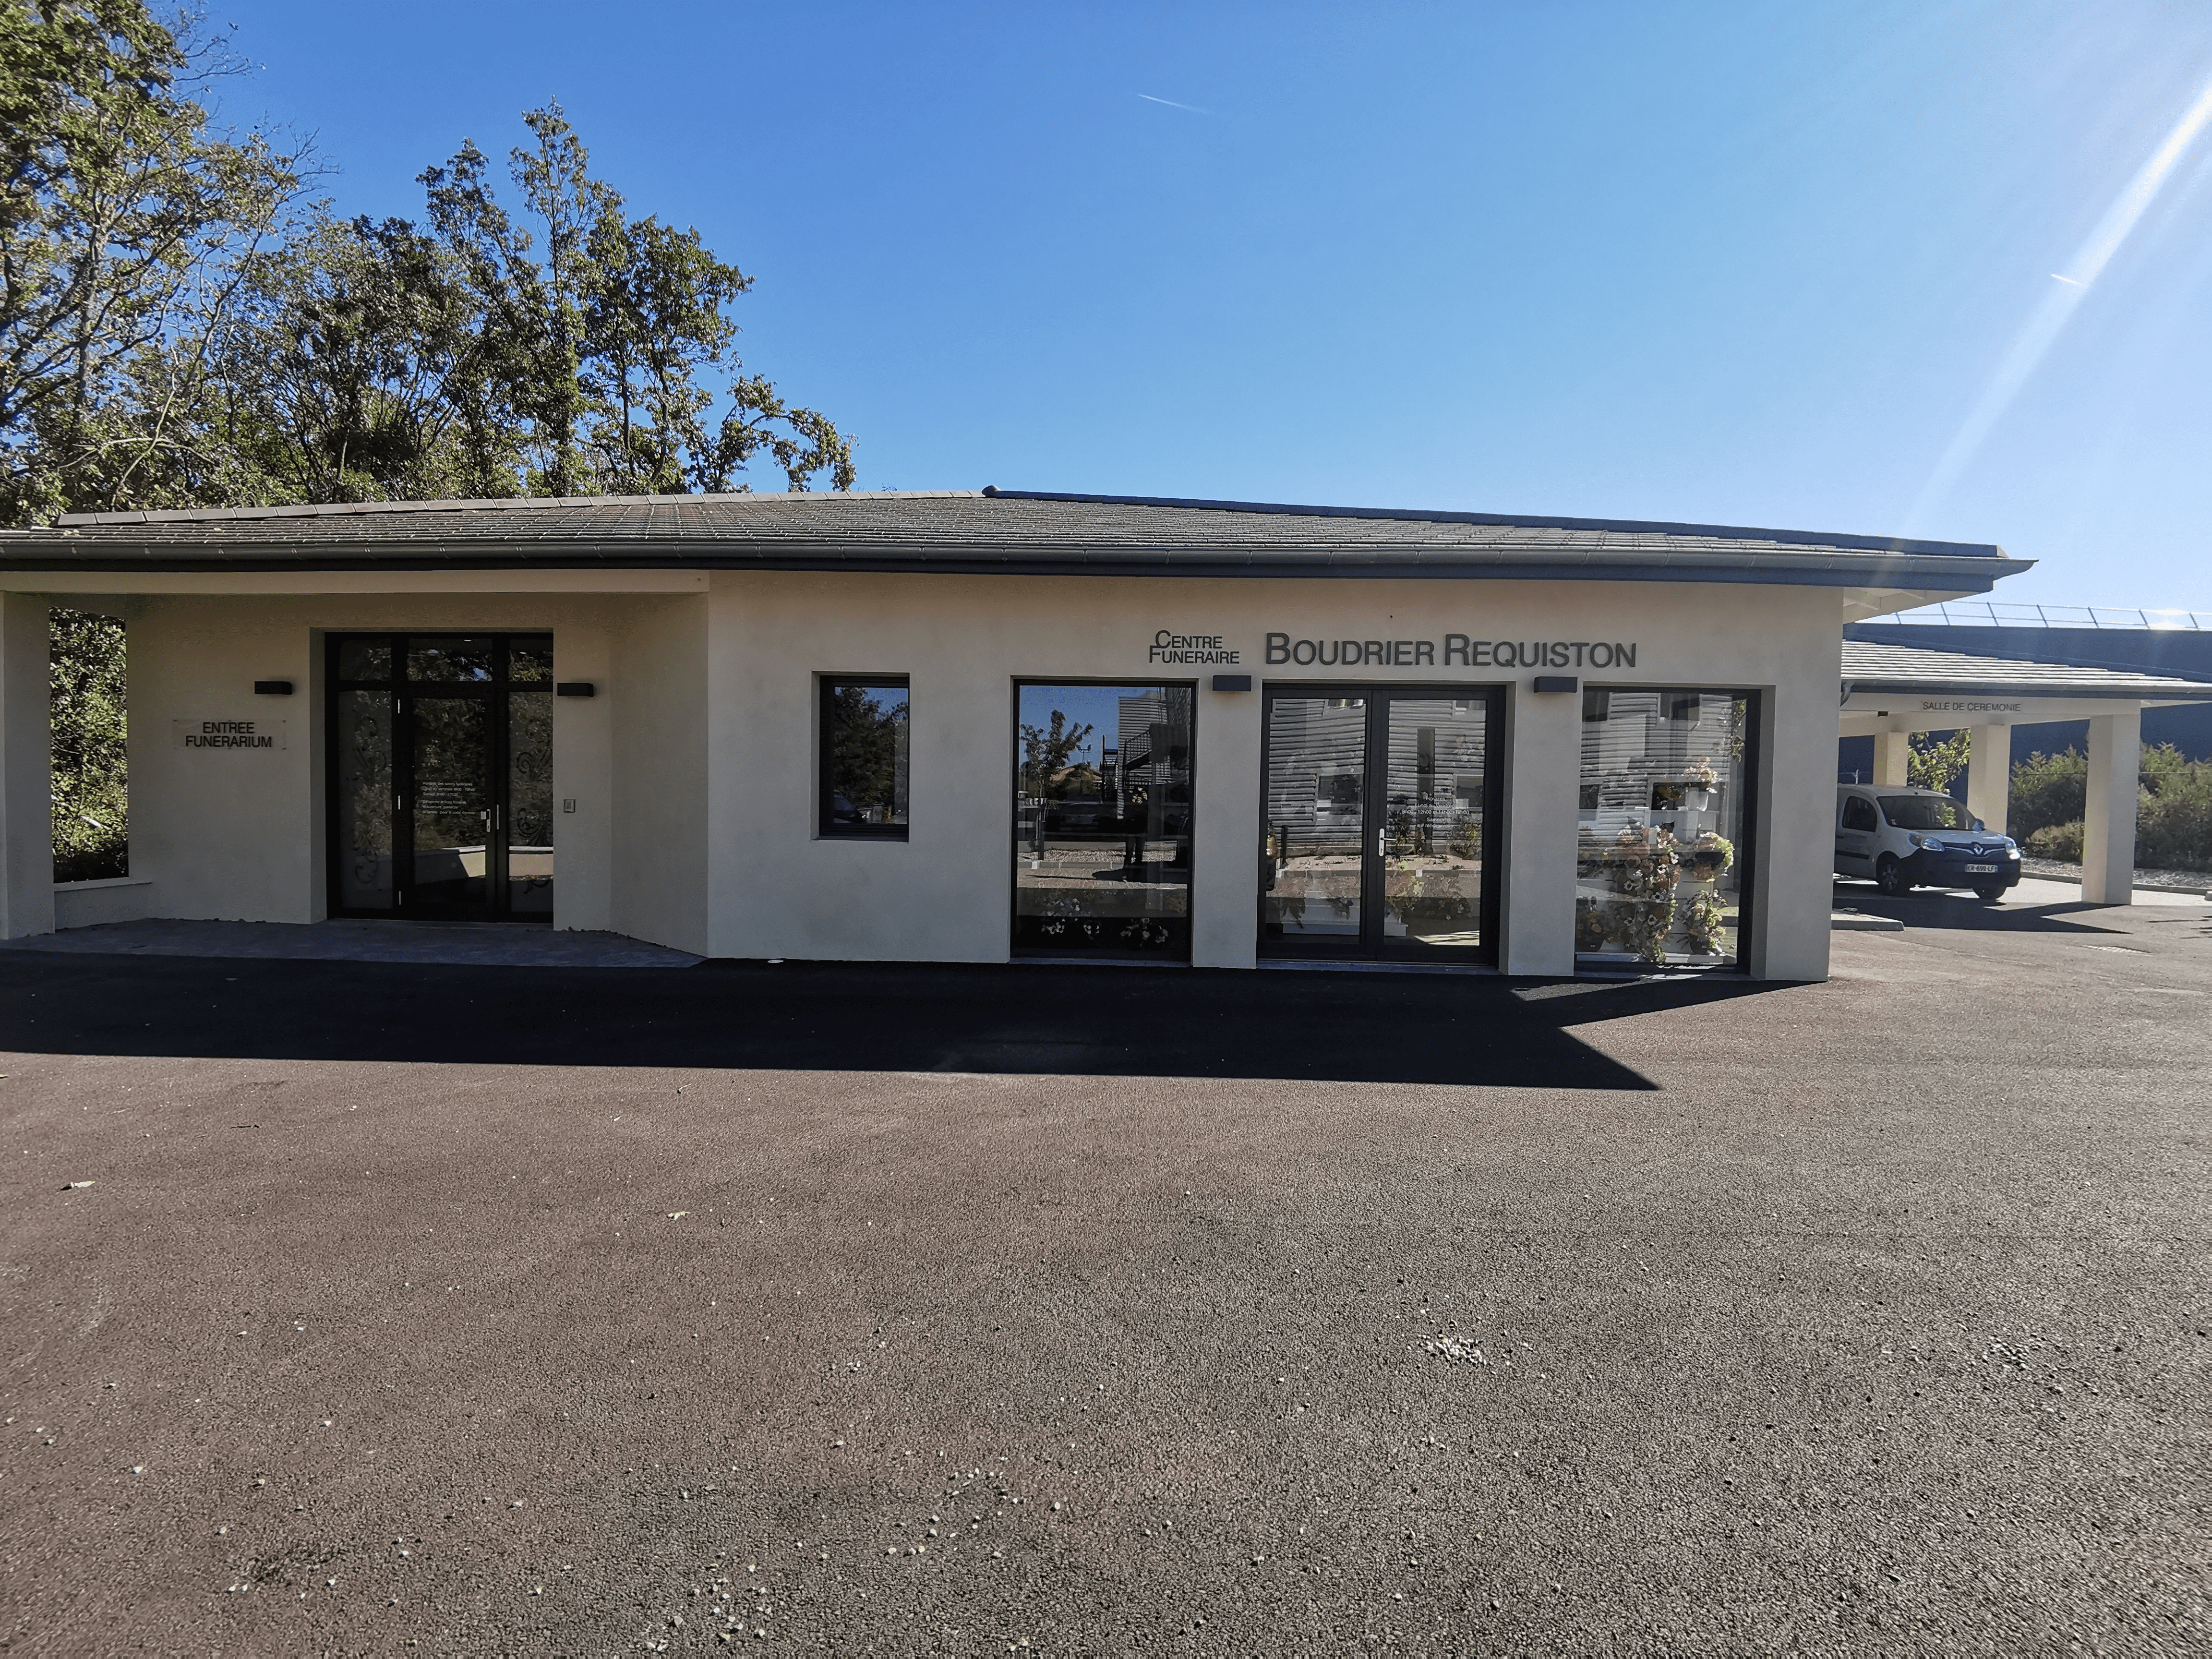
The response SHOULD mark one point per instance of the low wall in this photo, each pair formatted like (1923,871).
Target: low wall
(88,903)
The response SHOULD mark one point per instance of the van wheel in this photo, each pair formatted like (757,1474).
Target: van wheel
(1889,875)
(1990,895)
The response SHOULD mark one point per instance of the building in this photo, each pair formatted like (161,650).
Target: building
(2164,644)
(1892,691)
(874,726)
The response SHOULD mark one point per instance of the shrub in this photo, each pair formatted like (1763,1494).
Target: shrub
(2048,791)
(2061,841)
(2173,821)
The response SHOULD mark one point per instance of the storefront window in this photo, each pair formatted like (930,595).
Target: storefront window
(865,741)
(1103,820)
(1663,840)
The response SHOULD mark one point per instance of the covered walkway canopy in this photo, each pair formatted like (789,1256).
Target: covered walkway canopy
(1890,691)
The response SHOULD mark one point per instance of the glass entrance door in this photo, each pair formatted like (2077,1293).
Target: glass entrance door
(1378,803)
(449,807)
(442,776)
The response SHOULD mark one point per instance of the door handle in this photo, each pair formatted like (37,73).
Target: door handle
(1382,838)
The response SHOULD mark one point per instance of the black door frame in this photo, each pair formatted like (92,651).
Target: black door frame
(1371,944)
(404,695)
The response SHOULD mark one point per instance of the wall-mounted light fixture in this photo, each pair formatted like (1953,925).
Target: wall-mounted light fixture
(1232,681)
(1557,682)
(575,689)
(272,688)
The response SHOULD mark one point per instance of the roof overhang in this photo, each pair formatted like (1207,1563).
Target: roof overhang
(994,533)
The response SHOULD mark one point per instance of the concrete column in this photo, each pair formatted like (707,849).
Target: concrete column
(2108,840)
(1890,749)
(27,801)
(1989,775)
(1543,767)
(1225,902)
(1793,854)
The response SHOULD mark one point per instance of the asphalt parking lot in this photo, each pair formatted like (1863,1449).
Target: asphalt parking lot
(481,1309)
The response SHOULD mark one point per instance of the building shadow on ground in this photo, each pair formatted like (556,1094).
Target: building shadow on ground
(1464,1030)
(1959,911)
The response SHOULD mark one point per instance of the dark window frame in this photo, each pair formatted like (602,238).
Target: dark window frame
(826,826)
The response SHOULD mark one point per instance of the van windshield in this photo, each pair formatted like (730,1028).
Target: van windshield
(1926,812)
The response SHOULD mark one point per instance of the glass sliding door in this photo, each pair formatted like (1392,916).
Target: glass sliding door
(1664,843)
(1102,830)
(442,781)
(1377,804)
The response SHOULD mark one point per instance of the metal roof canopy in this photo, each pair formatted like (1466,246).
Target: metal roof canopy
(1869,668)
(1894,688)
(991,531)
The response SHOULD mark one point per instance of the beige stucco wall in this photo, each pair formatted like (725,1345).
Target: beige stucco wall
(239,834)
(778,889)
(693,770)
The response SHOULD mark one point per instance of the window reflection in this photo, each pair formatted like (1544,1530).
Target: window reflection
(1664,788)
(451,658)
(1316,817)
(1103,820)
(866,740)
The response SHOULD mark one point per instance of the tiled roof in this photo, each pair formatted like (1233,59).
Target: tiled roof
(1871,667)
(985,530)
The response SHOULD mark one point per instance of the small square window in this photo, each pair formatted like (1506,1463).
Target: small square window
(865,738)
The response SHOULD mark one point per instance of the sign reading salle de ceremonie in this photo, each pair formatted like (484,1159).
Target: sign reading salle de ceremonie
(228,735)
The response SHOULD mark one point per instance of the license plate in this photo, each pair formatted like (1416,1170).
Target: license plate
(1981,869)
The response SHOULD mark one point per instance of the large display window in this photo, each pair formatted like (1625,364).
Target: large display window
(1101,832)
(1666,829)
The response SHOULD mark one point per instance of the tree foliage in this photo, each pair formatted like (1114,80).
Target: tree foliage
(179,326)
(128,226)
(1046,751)
(1933,759)
(90,727)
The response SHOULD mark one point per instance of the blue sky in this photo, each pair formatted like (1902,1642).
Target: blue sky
(1749,264)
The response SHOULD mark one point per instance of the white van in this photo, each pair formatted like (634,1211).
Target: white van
(1901,839)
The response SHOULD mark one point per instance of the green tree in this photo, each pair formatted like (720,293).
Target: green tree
(1933,759)
(91,727)
(356,369)
(602,343)
(1046,751)
(127,224)
(867,744)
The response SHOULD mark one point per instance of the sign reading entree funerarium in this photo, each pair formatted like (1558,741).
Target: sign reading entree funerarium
(229,734)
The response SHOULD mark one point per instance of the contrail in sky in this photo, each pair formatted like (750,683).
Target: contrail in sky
(1171,104)
(2049,319)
